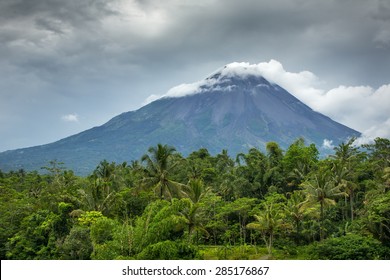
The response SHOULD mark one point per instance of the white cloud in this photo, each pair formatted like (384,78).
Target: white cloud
(381,129)
(150,99)
(186,89)
(177,91)
(183,90)
(328,144)
(362,108)
(70,118)
(302,84)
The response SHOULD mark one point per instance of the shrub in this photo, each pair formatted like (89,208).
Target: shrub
(169,250)
(102,230)
(349,247)
(77,245)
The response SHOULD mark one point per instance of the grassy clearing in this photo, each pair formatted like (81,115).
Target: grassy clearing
(250,252)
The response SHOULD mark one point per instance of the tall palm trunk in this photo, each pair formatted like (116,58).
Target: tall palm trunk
(270,243)
(351,204)
(322,221)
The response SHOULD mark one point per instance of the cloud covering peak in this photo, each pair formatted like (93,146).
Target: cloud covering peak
(235,69)
(299,84)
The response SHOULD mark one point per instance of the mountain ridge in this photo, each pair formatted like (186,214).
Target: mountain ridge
(235,108)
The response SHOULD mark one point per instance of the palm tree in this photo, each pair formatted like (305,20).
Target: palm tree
(100,192)
(223,162)
(321,188)
(252,166)
(297,208)
(96,196)
(344,166)
(274,153)
(196,192)
(269,220)
(242,206)
(386,177)
(158,171)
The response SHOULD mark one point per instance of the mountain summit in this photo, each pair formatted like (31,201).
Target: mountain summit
(235,108)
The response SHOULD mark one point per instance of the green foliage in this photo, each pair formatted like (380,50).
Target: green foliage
(377,216)
(115,242)
(14,206)
(169,250)
(77,245)
(349,247)
(227,252)
(36,237)
(132,203)
(90,217)
(270,219)
(298,161)
(160,221)
(102,230)
(159,164)
(321,189)
(298,209)
(262,205)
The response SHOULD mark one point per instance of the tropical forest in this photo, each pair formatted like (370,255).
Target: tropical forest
(276,204)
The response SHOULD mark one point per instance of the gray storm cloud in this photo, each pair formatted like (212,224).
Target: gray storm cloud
(99,58)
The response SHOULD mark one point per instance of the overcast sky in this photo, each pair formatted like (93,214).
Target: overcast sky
(67,66)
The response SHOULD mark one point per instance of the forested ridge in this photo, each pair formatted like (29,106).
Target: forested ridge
(270,204)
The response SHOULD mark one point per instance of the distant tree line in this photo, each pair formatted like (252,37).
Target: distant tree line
(275,204)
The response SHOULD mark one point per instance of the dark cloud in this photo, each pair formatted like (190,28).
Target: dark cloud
(97,58)
(71,11)
(381,10)
(324,36)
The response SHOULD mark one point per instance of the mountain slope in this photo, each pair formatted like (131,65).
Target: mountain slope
(228,110)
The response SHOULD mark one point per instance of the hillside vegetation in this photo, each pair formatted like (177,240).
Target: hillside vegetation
(259,205)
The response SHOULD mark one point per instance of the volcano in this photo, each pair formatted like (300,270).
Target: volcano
(235,109)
